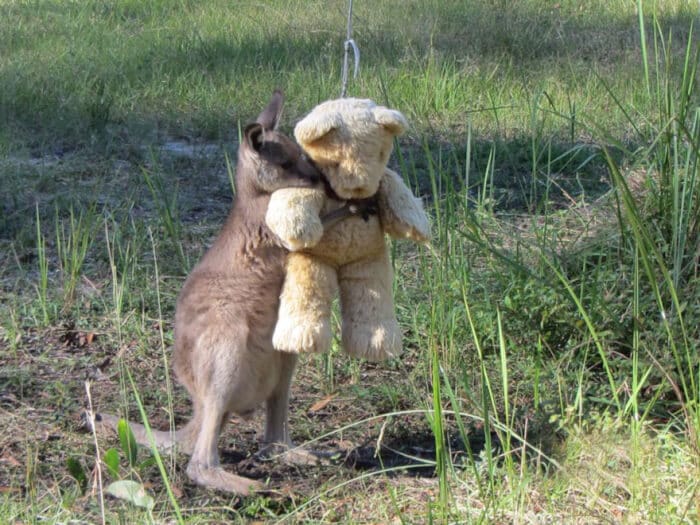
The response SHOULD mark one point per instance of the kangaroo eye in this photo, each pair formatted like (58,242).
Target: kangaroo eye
(287,165)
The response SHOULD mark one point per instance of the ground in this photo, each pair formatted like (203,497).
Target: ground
(43,410)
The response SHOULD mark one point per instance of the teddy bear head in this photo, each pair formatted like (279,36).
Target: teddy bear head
(350,140)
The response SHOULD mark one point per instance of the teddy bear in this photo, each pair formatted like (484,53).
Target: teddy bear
(350,140)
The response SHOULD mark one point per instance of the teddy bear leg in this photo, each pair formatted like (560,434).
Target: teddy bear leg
(304,323)
(370,328)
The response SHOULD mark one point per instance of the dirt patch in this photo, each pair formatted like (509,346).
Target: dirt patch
(44,397)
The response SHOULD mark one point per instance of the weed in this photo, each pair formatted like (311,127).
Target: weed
(73,240)
(165,199)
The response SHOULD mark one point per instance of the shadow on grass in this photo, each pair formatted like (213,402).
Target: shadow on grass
(518,175)
(514,176)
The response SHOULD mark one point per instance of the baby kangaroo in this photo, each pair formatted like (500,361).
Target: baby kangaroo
(227,310)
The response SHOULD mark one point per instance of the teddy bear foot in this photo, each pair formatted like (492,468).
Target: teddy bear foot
(372,342)
(300,336)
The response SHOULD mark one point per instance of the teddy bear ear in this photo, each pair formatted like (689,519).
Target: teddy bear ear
(394,122)
(313,128)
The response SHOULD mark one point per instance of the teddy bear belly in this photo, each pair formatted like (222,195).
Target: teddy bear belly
(351,240)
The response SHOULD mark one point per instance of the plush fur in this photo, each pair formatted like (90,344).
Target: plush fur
(350,140)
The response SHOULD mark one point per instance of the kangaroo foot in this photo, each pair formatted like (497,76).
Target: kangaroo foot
(217,478)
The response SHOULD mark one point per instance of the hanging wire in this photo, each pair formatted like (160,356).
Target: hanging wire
(349,44)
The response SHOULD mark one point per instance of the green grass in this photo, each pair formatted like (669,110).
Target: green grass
(551,366)
(132,70)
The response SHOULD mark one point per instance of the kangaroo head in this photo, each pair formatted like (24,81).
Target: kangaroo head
(269,159)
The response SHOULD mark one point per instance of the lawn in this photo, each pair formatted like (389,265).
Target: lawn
(551,363)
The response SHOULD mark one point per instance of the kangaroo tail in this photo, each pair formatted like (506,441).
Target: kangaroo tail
(164,440)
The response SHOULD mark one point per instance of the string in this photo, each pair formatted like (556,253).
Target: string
(349,44)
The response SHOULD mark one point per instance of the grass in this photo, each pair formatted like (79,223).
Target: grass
(550,371)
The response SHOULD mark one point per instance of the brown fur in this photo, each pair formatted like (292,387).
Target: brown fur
(227,310)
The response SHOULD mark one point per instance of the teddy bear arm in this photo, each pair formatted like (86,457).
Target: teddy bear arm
(304,320)
(401,213)
(293,214)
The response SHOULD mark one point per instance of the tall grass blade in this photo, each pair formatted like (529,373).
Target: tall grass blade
(441,455)
(655,266)
(154,450)
(43,262)
(161,335)
(643,45)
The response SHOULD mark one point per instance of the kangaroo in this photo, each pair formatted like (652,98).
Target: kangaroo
(227,310)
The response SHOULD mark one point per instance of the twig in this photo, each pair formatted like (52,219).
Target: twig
(98,466)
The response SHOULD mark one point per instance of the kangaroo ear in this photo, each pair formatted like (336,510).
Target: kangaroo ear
(270,116)
(313,128)
(253,134)
(393,121)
